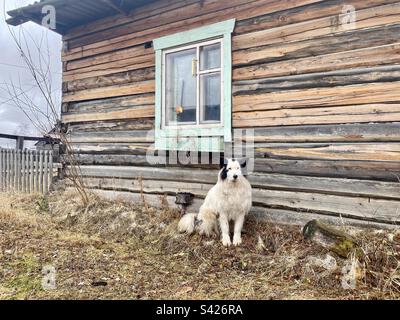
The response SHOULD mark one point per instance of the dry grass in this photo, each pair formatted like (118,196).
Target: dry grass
(115,250)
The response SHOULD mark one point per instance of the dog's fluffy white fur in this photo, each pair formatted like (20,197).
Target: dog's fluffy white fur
(229,200)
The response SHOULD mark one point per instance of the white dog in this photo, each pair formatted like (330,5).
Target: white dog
(229,200)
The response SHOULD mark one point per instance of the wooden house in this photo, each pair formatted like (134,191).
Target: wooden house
(314,83)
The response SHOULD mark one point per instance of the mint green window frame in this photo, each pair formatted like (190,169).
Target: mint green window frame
(182,138)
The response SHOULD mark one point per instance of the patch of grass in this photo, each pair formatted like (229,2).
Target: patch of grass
(25,279)
(136,253)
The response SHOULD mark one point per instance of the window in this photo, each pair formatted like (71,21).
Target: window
(192,85)
(193,89)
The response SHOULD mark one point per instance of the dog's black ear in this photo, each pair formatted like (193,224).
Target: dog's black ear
(243,163)
(224,173)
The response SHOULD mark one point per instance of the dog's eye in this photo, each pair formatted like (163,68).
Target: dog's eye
(229,168)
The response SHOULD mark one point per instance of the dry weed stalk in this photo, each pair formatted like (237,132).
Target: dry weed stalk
(43,118)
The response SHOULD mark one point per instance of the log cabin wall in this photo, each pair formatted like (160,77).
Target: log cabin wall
(324,100)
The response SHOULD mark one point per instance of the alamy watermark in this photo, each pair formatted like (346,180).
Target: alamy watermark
(193,148)
(49,17)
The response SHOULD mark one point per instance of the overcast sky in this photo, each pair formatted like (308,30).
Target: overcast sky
(13,70)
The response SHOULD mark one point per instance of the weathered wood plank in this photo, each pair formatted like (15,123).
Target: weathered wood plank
(346,114)
(110,68)
(112,136)
(366,57)
(378,210)
(336,78)
(232,10)
(116,148)
(352,187)
(300,218)
(366,18)
(302,13)
(384,132)
(331,151)
(132,124)
(142,87)
(111,80)
(142,12)
(112,160)
(352,40)
(131,113)
(136,51)
(108,104)
(320,97)
(368,170)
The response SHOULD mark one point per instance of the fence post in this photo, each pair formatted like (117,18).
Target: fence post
(31,170)
(51,168)
(40,169)
(45,171)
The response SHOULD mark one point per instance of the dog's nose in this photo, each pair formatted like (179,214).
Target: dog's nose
(235,176)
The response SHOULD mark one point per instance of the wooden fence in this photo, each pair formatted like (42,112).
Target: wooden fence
(28,171)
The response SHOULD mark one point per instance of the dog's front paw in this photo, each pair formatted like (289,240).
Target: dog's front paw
(237,240)
(226,241)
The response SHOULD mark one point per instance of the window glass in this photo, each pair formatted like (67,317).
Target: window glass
(210,57)
(210,97)
(181,87)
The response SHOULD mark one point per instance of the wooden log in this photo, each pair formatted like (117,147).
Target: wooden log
(190,14)
(112,136)
(366,18)
(335,186)
(330,151)
(245,11)
(330,238)
(374,93)
(110,68)
(116,148)
(299,218)
(119,103)
(336,78)
(377,210)
(271,215)
(136,51)
(111,91)
(111,80)
(130,113)
(366,57)
(371,132)
(139,13)
(352,40)
(367,170)
(122,125)
(310,116)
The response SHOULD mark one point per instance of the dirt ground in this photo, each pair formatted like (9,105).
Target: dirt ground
(115,250)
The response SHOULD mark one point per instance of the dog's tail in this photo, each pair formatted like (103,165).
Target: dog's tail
(187,223)
(208,222)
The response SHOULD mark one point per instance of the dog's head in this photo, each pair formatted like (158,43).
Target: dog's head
(231,169)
